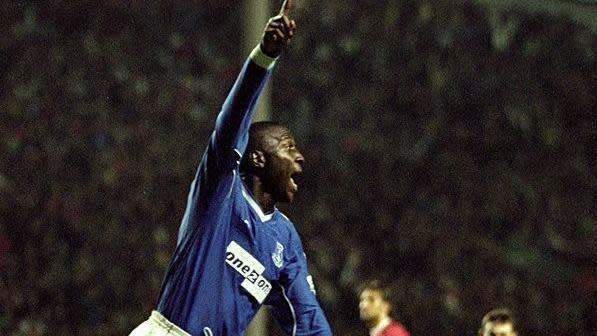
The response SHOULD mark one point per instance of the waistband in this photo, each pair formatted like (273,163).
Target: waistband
(167,325)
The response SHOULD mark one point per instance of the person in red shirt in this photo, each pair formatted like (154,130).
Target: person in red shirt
(375,307)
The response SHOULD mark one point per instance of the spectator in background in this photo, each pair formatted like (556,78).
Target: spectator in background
(375,307)
(498,322)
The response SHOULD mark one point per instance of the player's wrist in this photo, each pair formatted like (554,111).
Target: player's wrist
(269,50)
(261,58)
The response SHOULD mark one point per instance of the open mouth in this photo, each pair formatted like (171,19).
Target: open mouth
(293,184)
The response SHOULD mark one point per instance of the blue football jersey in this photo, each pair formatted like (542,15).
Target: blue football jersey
(231,257)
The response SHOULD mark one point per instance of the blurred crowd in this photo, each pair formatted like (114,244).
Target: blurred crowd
(450,150)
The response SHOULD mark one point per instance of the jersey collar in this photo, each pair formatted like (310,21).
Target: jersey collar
(262,216)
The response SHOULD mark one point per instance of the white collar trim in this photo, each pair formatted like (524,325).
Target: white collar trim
(263,217)
(381,326)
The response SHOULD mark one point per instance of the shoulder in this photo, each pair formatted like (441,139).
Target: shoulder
(284,217)
(286,223)
(289,227)
(395,329)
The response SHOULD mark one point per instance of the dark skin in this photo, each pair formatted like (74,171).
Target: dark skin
(274,162)
(278,32)
(275,159)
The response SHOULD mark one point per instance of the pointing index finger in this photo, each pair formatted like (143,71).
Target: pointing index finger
(286,7)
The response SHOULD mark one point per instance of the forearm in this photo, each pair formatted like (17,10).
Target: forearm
(232,124)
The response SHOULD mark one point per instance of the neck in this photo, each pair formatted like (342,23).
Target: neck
(375,326)
(264,199)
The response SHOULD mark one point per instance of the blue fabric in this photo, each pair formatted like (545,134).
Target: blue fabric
(211,284)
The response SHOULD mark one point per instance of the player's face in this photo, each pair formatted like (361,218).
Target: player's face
(283,162)
(372,307)
(498,329)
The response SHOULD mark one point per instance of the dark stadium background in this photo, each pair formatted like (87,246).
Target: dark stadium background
(451,149)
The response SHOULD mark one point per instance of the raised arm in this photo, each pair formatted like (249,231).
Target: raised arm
(231,132)
(229,139)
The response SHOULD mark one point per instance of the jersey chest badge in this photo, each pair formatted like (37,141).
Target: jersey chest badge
(278,256)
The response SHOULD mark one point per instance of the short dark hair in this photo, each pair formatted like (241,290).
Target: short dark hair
(499,315)
(257,133)
(378,286)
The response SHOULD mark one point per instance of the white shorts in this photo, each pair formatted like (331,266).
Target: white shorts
(158,325)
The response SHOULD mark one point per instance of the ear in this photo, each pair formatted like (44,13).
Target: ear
(257,159)
(388,307)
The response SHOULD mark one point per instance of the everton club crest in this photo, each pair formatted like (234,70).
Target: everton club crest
(277,256)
